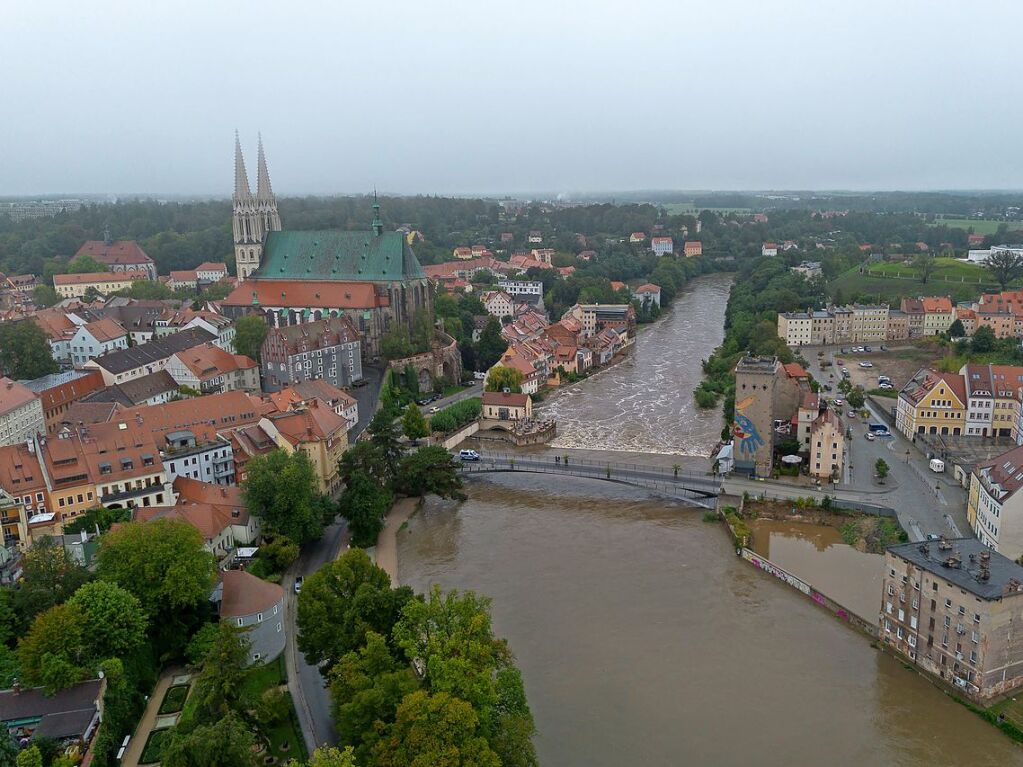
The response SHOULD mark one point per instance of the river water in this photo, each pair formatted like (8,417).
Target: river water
(645,403)
(644,640)
(817,555)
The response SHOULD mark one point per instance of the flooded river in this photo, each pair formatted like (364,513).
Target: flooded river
(644,640)
(817,555)
(645,404)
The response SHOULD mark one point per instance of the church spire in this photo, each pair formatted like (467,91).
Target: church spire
(263,190)
(241,178)
(378,225)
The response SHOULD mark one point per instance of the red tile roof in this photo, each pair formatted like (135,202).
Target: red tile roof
(510,399)
(117,252)
(14,395)
(303,294)
(245,594)
(96,277)
(105,329)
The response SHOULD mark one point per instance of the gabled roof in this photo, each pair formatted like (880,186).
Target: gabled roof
(105,330)
(14,395)
(116,252)
(306,294)
(136,391)
(158,349)
(64,714)
(212,266)
(306,336)
(648,287)
(209,361)
(338,255)
(507,399)
(937,304)
(309,424)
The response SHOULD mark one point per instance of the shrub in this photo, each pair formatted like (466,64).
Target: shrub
(457,415)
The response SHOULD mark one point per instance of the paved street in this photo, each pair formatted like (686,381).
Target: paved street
(476,390)
(311,697)
(926,503)
(367,397)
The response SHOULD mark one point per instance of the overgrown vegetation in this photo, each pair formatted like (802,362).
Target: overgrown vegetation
(872,534)
(456,415)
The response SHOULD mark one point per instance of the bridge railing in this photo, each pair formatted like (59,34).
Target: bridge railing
(589,466)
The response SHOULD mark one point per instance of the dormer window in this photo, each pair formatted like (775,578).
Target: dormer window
(104,468)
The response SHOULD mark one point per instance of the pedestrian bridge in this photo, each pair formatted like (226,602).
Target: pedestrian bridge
(680,484)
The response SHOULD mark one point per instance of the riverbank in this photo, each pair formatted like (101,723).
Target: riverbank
(386,553)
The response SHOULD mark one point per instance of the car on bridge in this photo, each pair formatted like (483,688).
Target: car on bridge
(468,455)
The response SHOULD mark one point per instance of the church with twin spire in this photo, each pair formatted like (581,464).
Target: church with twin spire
(371,276)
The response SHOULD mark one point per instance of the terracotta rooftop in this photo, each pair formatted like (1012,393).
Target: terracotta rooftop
(88,278)
(116,252)
(14,395)
(510,399)
(245,594)
(105,330)
(306,294)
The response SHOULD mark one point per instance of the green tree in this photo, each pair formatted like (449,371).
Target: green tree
(413,424)
(91,294)
(925,266)
(436,729)
(956,330)
(85,265)
(855,397)
(220,683)
(44,295)
(55,641)
(326,756)
(249,333)
(282,489)
(147,290)
(881,469)
(25,351)
(429,470)
(226,742)
(364,503)
(117,624)
(163,563)
(501,378)
(8,750)
(98,517)
(491,345)
(385,435)
(30,757)
(49,577)
(343,601)
(1005,266)
(396,343)
(983,340)
(363,458)
(451,639)
(366,687)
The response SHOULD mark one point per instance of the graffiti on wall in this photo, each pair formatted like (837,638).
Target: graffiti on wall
(777,572)
(745,433)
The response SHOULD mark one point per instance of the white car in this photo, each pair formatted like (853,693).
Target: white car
(468,455)
(886,385)
(839,402)
(434,409)
(866,364)
(870,436)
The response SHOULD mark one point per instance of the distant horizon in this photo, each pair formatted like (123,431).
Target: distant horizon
(546,196)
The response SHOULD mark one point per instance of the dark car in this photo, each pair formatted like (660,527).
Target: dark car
(884,348)
(424,401)
(867,349)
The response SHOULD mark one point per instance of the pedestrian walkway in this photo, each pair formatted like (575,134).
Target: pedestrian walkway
(148,723)
(387,541)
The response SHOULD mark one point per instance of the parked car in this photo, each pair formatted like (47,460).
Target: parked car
(844,350)
(883,378)
(299,580)
(468,455)
(360,383)
(866,364)
(434,409)
(869,436)
(867,349)
(933,537)
(884,348)
(827,387)
(469,384)
(424,401)
(886,385)
(851,413)
(839,402)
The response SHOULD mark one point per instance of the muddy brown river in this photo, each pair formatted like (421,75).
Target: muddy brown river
(644,640)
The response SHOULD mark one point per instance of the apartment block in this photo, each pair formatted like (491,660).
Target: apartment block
(953,608)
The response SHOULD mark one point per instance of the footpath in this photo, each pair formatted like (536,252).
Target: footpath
(386,553)
(133,751)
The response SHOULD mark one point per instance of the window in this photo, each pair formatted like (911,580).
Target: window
(948,604)
(240,622)
(275,609)
(962,610)
(973,656)
(948,621)
(891,590)
(259,617)
(278,626)
(976,617)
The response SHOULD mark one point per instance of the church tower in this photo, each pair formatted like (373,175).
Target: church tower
(254,217)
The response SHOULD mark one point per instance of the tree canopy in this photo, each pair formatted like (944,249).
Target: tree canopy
(500,378)
(163,563)
(282,489)
(429,470)
(249,334)
(343,601)
(25,351)
(1005,266)
(413,424)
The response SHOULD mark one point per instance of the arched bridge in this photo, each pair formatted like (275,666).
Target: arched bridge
(662,480)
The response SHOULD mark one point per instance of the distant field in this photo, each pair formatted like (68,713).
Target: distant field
(945,269)
(678,208)
(979,226)
(890,289)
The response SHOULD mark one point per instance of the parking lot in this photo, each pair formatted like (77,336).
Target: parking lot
(899,363)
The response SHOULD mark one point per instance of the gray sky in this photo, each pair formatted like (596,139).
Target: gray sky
(448,96)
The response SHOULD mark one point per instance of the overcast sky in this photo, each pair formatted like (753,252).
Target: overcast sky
(447,96)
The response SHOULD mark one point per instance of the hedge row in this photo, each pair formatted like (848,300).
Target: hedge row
(456,416)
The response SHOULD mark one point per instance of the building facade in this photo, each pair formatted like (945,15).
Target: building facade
(21,413)
(329,349)
(953,608)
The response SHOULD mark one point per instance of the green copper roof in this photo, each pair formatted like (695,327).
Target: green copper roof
(337,255)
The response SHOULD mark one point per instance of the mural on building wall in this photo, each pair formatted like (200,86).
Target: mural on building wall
(746,435)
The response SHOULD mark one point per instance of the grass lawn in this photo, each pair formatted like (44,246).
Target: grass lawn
(151,751)
(945,269)
(1012,709)
(890,290)
(979,226)
(285,738)
(174,699)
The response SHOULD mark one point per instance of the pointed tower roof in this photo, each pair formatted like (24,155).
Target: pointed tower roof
(378,225)
(263,188)
(241,178)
